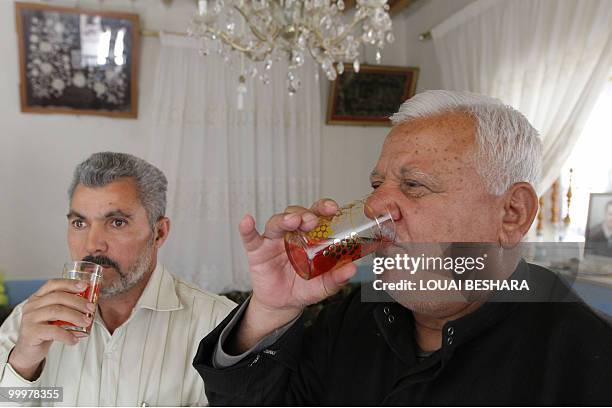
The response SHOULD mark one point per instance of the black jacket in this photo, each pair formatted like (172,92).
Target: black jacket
(364,354)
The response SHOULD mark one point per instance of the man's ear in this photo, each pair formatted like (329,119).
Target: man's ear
(162,229)
(520,209)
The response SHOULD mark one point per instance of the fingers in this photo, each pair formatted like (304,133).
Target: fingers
(55,300)
(294,217)
(65,285)
(61,298)
(58,312)
(308,219)
(340,277)
(334,280)
(326,207)
(279,224)
(48,332)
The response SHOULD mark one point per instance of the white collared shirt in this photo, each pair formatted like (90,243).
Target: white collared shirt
(147,360)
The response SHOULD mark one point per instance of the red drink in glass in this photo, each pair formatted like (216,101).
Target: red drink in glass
(91,274)
(349,235)
(90,293)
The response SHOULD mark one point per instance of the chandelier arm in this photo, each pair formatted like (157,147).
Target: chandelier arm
(277,32)
(260,36)
(314,57)
(337,40)
(317,34)
(227,40)
(319,40)
(254,29)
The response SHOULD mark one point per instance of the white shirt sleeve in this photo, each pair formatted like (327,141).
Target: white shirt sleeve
(9,378)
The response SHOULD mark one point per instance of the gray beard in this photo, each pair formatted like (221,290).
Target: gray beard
(127,281)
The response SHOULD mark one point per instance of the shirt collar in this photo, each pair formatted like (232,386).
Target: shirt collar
(160,293)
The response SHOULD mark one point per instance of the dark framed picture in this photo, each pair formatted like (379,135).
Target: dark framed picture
(77,61)
(598,236)
(370,96)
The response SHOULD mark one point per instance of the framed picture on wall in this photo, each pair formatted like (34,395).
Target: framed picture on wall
(370,96)
(77,61)
(598,236)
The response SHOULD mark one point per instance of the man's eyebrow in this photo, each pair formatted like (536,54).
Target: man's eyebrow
(117,213)
(110,214)
(74,214)
(412,171)
(426,177)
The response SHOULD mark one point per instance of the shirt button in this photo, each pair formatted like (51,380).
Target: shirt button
(386,310)
(391,318)
(450,330)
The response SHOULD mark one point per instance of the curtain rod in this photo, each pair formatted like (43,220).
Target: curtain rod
(155,33)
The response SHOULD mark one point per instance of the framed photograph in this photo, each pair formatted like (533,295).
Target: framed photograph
(598,236)
(370,96)
(77,61)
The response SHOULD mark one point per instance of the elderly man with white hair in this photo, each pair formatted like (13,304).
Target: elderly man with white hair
(455,168)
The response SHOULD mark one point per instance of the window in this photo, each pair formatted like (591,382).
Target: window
(591,161)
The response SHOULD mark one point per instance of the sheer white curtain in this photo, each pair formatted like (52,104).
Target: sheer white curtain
(222,163)
(547,58)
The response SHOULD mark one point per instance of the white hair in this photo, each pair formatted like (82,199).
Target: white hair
(508,147)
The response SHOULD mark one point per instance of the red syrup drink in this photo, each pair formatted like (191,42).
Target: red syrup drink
(348,236)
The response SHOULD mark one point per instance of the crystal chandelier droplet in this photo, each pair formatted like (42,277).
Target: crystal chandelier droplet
(241,91)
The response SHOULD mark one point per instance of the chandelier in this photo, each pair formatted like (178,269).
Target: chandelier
(251,35)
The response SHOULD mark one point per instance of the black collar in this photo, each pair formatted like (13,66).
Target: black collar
(396,323)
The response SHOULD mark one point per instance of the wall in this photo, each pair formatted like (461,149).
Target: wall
(39,152)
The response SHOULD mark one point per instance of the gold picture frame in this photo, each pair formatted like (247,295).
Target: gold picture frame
(75,61)
(370,96)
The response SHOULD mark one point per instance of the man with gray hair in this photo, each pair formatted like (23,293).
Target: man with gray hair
(147,321)
(456,168)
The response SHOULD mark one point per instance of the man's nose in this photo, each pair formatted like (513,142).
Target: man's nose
(96,240)
(382,203)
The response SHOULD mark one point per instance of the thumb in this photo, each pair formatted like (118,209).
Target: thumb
(333,281)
